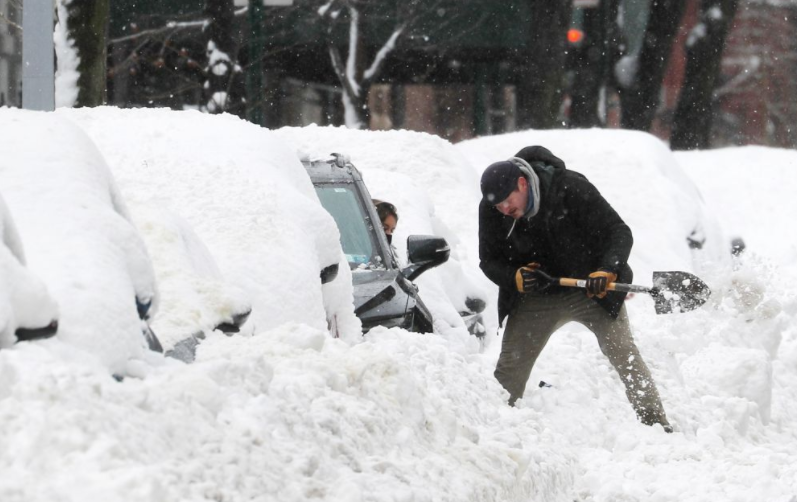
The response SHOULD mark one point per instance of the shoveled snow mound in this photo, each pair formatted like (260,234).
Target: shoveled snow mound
(290,415)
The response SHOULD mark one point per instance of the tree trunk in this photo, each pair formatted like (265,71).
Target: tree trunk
(539,94)
(351,73)
(639,96)
(357,115)
(593,63)
(222,87)
(694,113)
(87,22)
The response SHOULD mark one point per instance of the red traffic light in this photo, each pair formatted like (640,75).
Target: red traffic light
(574,35)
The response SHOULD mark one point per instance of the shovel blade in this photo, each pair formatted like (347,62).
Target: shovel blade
(676,292)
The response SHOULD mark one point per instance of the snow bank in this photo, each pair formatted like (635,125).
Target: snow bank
(289,415)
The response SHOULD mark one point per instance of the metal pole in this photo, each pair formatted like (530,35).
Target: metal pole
(38,60)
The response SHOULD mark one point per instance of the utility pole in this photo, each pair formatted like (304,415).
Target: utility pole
(38,59)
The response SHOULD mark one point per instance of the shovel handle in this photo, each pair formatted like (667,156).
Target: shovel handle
(612,286)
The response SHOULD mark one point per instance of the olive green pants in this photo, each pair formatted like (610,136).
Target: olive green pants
(537,317)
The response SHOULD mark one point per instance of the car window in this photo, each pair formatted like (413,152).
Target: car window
(356,238)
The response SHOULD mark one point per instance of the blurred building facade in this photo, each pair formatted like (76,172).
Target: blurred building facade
(470,93)
(755,99)
(756,95)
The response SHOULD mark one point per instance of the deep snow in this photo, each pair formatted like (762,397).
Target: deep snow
(290,413)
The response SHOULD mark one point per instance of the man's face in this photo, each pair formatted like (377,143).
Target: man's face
(515,204)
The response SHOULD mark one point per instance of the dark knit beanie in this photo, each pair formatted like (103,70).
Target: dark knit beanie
(499,180)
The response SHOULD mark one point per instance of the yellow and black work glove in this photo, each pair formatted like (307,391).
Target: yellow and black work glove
(597,282)
(526,279)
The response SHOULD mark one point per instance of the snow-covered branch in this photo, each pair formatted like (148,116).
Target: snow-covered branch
(746,74)
(354,41)
(382,54)
(340,70)
(173,26)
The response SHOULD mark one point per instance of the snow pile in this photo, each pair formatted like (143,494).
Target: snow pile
(77,234)
(288,415)
(247,198)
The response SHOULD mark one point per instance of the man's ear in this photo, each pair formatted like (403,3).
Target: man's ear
(522,183)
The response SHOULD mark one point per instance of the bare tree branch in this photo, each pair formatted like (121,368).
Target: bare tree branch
(174,27)
(9,22)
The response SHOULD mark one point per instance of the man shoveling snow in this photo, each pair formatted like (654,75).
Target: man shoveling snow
(537,218)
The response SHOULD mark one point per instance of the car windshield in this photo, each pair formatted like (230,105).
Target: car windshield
(356,235)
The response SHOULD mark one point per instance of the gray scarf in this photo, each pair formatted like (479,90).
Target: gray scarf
(534,189)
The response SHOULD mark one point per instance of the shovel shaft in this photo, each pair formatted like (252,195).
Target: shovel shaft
(613,286)
(672,292)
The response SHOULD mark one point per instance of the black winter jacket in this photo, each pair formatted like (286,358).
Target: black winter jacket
(575,233)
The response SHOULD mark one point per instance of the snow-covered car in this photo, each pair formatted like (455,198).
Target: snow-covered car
(195,299)
(234,187)
(384,294)
(27,311)
(412,170)
(78,236)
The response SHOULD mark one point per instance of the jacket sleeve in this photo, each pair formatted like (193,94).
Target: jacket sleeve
(540,154)
(611,239)
(491,260)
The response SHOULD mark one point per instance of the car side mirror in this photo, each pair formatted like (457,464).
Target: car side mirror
(329,273)
(425,252)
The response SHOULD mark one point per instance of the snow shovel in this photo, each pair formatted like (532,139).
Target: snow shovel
(673,292)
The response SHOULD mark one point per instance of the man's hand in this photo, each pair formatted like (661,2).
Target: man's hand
(597,282)
(528,278)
